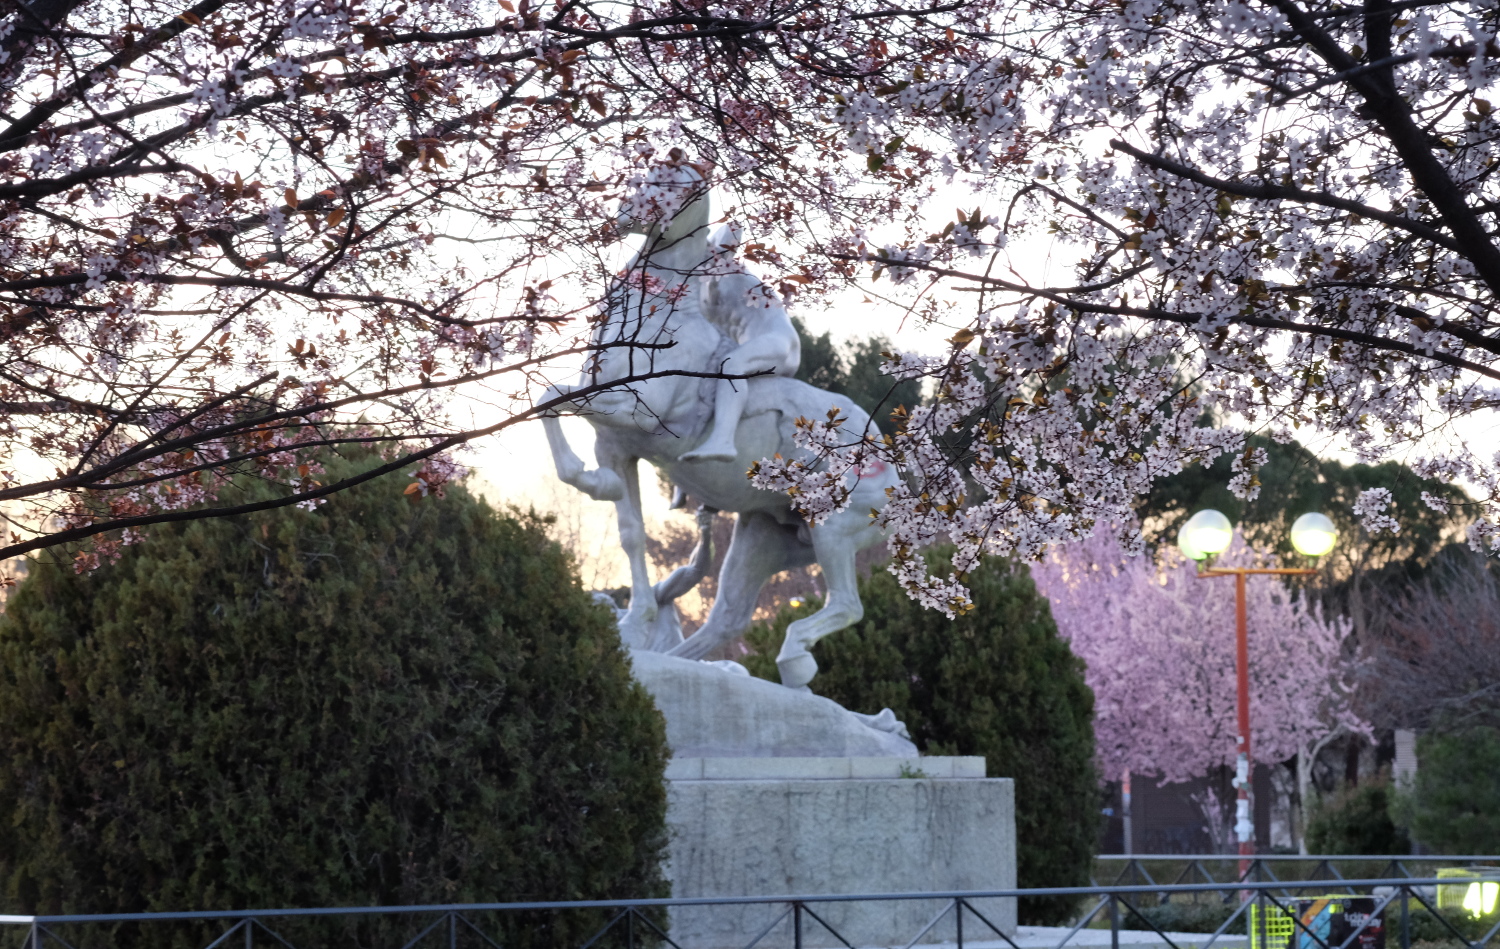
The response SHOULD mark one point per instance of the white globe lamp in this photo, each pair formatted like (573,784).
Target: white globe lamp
(1313,534)
(1206,533)
(1185,544)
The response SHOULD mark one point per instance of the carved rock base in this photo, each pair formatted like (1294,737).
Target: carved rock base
(793,836)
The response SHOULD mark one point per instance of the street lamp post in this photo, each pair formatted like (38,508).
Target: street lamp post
(1207,533)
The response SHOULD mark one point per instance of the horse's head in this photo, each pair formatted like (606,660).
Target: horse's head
(670,205)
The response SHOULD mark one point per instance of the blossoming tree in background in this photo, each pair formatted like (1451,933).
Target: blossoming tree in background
(1159,646)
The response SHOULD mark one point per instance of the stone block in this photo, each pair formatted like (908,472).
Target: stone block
(797,836)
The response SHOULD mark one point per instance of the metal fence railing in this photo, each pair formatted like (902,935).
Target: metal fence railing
(1219,868)
(1329,913)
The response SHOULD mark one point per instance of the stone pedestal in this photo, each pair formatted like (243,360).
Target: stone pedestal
(835,825)
(779,792)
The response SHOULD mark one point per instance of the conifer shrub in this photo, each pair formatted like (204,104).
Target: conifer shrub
(375,702)
(1453,805)
(997,682)
(1357,820)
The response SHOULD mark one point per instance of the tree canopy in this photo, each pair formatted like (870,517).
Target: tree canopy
(375,702)
(226,230)
(1278,214)
(854,369)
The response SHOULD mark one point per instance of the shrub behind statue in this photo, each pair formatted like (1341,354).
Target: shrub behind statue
(998,682)
(376,702)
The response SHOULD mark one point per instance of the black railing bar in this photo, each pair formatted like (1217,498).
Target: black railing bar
(274,934)
(643,918)
(229,932)
(1224,928)
(932,922)
(1324,868)
(1187,869)
(736,900)
(1287,857)
(993,927)
(479,932)
(1268,871)
(1441,918)
(56,936)
(1084,921)
(774,923)
(423,934)
(1489,935)
(1130,906)
(607,927)
(824,923)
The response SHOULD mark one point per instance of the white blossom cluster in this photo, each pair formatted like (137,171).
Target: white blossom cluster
(1280,217)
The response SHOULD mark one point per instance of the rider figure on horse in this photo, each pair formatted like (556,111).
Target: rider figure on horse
(745,310)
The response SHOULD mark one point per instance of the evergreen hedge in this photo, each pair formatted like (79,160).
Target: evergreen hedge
(375,702)
(1357,820)
(997,682)
(1453,805)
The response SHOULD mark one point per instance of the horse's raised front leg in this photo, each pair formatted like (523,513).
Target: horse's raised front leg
(835,542)
(632,523)
(601,484)
(760,549)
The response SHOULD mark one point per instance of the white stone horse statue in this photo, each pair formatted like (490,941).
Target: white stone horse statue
(666,296)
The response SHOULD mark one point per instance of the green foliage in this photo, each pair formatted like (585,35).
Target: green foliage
(1454,802)
(373,703)
(1357,820)
(854,370)
(1426,927)
(1184,916)
(996,682)
(1297,481)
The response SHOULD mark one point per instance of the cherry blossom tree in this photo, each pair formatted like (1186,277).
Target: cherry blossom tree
(1159,646)
(230,232)
(1256,215)
(240,231)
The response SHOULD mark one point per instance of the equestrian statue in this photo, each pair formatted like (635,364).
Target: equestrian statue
(685,304)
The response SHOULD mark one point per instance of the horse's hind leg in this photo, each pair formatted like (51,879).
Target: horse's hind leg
(760,549)
(835,542)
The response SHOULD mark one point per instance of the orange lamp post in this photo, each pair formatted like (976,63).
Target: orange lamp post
(1207,533)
